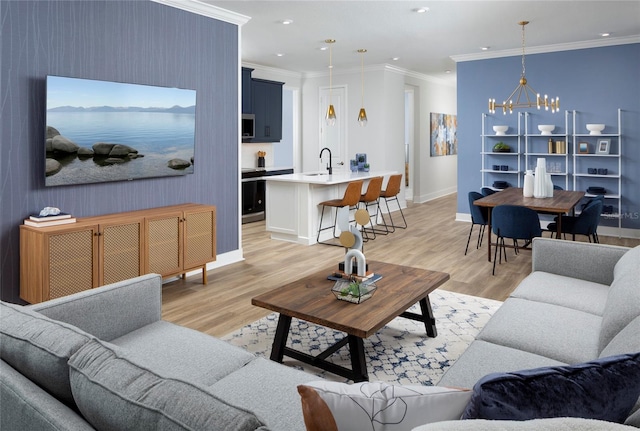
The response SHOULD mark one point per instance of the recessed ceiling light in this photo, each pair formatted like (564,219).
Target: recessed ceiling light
(279,54)
(323,48)
(605,34)
(395,58)
(485,48)
(287,21)
(447,71)
(421,10)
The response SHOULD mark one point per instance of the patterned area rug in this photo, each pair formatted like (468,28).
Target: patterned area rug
(399,353)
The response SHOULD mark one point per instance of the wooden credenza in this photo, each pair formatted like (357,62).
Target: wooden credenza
(60,260)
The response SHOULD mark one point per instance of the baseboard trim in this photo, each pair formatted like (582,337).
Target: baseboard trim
(435,195)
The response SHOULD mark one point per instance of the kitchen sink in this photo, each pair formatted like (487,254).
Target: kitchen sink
(315,174)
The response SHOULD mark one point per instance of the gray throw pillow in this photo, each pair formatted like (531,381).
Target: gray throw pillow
(39,348)
(113,392)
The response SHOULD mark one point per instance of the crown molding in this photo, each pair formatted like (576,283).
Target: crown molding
(269,69)
(596,43)
(420,76)
(204,9)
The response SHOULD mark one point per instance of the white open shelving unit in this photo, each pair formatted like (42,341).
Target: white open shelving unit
(536,145)
(611,161)
(571,167)
(491,158)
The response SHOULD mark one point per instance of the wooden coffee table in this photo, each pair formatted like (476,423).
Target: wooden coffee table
(311,299)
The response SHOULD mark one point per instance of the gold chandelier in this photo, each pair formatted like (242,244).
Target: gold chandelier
(525,89)
(331,112)
(362,115)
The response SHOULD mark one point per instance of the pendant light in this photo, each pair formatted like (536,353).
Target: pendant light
(331,112)
(524,88)
(362,115)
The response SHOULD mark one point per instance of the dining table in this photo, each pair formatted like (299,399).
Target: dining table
(562,202)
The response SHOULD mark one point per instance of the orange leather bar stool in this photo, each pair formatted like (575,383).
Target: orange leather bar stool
(389,194)
(350,199)
(369,198)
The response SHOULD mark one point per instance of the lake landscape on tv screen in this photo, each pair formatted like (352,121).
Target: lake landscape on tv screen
(100,131)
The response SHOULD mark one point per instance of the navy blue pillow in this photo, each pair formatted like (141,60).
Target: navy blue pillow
(604,389)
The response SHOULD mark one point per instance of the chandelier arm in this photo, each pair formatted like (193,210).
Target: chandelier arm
(512,93)
(523,86)
(526,93)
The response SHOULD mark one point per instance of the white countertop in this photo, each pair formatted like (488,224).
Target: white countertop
(322,178)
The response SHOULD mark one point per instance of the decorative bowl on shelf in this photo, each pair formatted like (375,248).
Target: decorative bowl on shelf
(546,129)
(501,147)
(500,130)
(595,129)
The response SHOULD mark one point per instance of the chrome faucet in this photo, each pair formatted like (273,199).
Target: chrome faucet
(329,168)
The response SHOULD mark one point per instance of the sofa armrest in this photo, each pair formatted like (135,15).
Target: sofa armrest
(110,311)
(586,261)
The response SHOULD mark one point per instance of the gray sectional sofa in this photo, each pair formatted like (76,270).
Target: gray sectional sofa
(580,302)
(105,359)
(129,369)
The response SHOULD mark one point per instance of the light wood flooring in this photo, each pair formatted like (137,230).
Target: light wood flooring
(433,240)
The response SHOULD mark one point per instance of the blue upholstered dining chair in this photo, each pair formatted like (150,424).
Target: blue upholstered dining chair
(486,191)
(515,222)
(479,216)
(586,223)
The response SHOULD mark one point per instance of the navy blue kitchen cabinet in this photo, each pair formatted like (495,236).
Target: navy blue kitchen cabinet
(267,107)
(247,108)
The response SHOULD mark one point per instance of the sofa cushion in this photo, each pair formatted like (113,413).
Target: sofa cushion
(114,392)
(625,341)
(482,358)
(272,395)
(604,389)
(623,305)
(26,406)
(628,263)
(182,353)
(544,329)
(568,292)
(39,347)
(380,406)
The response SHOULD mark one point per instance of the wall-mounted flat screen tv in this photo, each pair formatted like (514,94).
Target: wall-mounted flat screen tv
(100,131)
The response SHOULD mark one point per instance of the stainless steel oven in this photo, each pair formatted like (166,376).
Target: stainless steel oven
(254,192)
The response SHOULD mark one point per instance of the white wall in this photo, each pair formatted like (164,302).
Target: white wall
(433,176)
(383,137)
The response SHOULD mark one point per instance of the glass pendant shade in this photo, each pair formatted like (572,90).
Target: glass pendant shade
(362,117)
(331,116)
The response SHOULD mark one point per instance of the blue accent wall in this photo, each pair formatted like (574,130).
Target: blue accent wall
(595,82)
(139,42)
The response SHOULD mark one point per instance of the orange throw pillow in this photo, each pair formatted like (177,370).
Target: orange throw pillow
(317,416)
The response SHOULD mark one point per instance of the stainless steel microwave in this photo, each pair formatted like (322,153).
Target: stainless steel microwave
(248,126)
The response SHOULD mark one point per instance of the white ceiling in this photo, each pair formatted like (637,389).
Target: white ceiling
(426,43)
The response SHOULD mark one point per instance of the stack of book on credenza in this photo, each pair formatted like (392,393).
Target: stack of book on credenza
(49,220)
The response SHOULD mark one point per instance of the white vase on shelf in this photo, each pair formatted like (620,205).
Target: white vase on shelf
(549,192)
(540,183)
(527,190)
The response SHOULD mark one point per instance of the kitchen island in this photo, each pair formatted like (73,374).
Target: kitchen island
(292,212)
